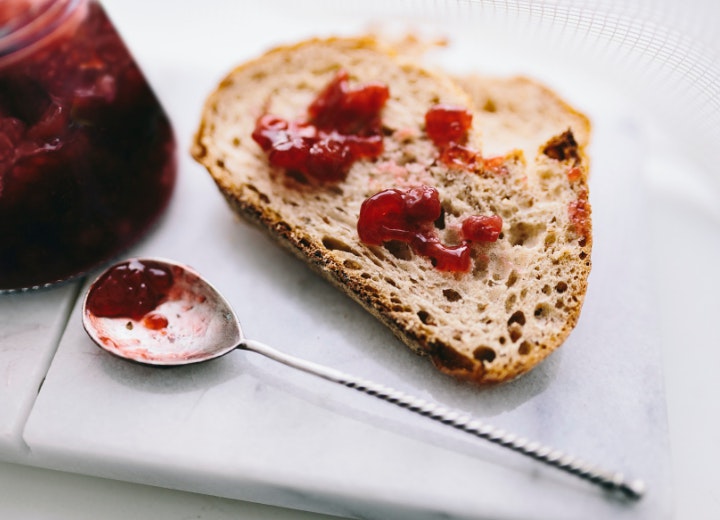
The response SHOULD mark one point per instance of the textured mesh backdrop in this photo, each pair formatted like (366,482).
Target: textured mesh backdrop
(662,53)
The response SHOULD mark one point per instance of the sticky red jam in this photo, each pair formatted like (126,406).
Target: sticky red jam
(87,154)
(482,228)
(155,321)
(448,126)
(349,110)
(343,125)
(574,174)
(131,289)
(579,212)
(409,217)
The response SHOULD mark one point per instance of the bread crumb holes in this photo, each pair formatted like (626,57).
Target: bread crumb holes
(517,317)
(541,311)
(524,348)
(334,244)
(426,317)
(352,265)
(484,354)
(525,234)
(515,332)
(451,295)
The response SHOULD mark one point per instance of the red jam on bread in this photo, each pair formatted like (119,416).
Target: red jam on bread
(343,126)
(482,228)
(447,124)
(447,127)
(579,211)
(410,216)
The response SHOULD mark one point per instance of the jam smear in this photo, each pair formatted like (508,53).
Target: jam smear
(87,154)
(447,126)
(349,111)
(443,257)
(458,156)
(482,228)
(579,212)
(155,321)
(343,126)
(132,289)
(496,165)
(574,173)
(409,217)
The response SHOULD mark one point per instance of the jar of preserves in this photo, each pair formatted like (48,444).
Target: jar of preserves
(87,153)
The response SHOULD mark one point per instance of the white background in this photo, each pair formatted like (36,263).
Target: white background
(686,236)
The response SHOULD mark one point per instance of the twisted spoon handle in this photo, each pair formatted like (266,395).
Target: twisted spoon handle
(610,481)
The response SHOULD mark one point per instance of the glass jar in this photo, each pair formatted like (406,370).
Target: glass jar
(87,153)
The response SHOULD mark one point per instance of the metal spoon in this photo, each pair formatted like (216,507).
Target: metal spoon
(201,325)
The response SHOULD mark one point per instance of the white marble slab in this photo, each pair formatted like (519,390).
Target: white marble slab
(31,324)
(242,427)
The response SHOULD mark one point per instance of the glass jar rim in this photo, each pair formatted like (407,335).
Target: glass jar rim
(39,23)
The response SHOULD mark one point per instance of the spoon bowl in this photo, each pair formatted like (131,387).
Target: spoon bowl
(162,313)
(192,324)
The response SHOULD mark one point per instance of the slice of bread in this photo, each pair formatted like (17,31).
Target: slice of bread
(524,292)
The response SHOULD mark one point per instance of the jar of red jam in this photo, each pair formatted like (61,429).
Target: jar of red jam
(87,153)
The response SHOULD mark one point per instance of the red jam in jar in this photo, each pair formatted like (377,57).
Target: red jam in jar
(342,127)
(87,153)
(132,289)
(409,217)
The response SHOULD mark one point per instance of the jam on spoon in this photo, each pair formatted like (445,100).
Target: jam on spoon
(202,326)
(131,289)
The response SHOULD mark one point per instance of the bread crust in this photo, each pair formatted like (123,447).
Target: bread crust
(488,326)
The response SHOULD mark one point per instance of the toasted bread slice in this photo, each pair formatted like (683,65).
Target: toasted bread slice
(524,292)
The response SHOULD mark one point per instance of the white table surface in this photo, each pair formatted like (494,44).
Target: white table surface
(687,277)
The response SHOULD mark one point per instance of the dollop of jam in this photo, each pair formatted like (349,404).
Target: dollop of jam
(447,126)
(155,321)
(343,126)
(132,289)
(349,110)
(409,216)
(482,228)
